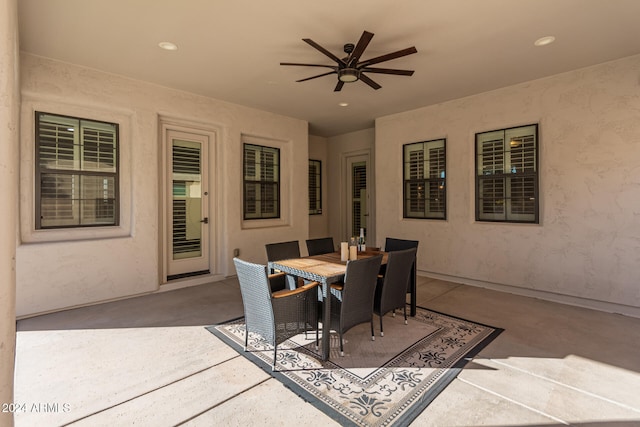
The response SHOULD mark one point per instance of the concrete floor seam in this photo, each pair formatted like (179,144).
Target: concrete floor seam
(222,402)
(515,402)
(579,390)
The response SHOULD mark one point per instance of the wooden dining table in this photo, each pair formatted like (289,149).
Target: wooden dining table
(324,269)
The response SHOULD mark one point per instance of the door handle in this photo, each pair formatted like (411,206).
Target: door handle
(206,220)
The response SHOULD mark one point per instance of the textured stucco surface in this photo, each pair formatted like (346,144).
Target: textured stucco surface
(67,272)
(9,119)
(587,244)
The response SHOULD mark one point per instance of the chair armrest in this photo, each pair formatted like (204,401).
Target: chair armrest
(277,281)
(276,275)
(337,286)
(289,292)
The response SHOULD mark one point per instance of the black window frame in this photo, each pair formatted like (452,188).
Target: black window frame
(525,178)
(315,203)
(262,183)
(59,174)
(434,206)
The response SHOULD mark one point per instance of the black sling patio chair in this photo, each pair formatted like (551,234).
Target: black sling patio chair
(393,244)
(277,252)
(391,290)
(320,246)
(352,301)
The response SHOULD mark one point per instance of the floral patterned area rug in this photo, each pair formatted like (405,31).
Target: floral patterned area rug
(384,382)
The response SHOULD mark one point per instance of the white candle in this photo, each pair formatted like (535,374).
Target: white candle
(344,251)
(353,252)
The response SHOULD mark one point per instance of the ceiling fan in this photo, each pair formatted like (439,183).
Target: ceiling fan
(350,68)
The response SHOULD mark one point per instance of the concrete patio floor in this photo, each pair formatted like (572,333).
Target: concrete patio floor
(149,361)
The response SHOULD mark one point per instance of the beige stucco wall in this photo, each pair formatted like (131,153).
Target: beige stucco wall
(66,273)
(9,132)
(9,118)
(587,244)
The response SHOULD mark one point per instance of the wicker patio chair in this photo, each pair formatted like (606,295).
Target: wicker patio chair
(391,290)
(275,316)
(352,301)
(280,251)
(320,246)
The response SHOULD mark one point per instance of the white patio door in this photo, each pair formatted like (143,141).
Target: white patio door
(187,206)
(357,196)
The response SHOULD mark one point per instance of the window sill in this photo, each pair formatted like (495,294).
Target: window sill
(75,234)
(249,224)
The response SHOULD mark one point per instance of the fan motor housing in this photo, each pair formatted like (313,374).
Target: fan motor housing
(348,75)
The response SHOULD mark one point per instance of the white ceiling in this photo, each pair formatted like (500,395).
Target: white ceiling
(231,49)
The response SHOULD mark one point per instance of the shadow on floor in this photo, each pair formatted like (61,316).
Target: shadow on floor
(206,304)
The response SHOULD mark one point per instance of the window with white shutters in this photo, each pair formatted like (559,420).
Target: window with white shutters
(261,172)
(425,179)
(315,187)
(76,172)
(507,175)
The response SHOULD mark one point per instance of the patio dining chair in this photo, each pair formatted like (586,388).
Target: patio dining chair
(277,252)
(352,301)
(391,290)
(320,246)
(275,316)
(394,244)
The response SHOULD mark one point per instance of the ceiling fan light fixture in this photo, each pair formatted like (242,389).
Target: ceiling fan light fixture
(348,75)
(350,69)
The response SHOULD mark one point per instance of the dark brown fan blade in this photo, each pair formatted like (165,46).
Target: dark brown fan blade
(388,71)
(388,57)
(315,77)
(339,86)
(309,65)
(370,82)
(323,50)
(365,38)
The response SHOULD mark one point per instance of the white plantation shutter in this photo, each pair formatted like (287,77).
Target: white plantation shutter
(507,176)
(315,187)
(261,173)
(523,188)
(76,174)
(359,192)
(98,148)
(268,196)
(416,174)
(436,180)
(186,173)
(56,143)
(424,179)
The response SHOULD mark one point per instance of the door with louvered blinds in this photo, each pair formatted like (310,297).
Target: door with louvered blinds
(187,210)
(357,196)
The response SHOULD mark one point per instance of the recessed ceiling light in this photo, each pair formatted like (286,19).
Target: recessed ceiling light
(543,41)
(168,46)
(343,104)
